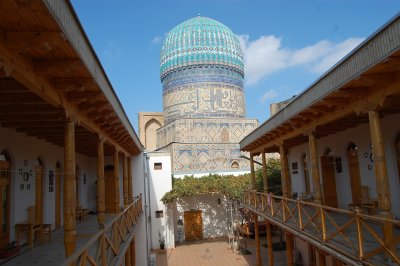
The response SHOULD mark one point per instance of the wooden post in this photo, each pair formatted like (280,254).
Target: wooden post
(257,239)
(116,180)
(252,173)
(321,258)
(69,189)
(315,168)
(264,172)
(286,187)
(269,240)
(289,248)
(133,252)
(101,186)
(380,169)
(128,256)
(125,182)
(130,181)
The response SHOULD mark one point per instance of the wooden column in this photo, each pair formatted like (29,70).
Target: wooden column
(315,168)
(286,184)
(128,256)
(130,181)
(133,252)
(257,239)
(269,240)
(380,169)
(252,173)
(101,185)
(116,180)
(69,189)
(289,248)
(264,172)
(125,182)
(321,258)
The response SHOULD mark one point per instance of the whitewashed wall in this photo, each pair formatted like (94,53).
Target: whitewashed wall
(138,188)
(160,183)
(215,216)
(338,144)
(21,148)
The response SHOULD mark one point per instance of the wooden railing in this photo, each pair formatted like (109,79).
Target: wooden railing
(108,246)
(357,236)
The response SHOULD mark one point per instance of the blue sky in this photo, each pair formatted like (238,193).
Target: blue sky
(287,44)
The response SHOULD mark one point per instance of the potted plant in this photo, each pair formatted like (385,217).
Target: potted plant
(161,240)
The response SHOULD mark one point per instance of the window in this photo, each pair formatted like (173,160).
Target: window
(235,165)
(159,214)
(157,166)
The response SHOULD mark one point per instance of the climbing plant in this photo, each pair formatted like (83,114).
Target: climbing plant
(231,186)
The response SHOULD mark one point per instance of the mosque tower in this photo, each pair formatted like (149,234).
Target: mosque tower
(201,70)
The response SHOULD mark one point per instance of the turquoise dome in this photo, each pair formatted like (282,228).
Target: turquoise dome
(200,41)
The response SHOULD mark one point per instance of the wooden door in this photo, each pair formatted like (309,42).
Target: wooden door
(355,178)
(329,182)
(58,198)
(38,194)
(110,191)
(193,225)
(5,175)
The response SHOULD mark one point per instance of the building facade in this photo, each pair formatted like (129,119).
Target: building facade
(201,70)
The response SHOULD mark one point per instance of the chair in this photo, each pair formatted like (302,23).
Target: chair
(368,205)
(31,227)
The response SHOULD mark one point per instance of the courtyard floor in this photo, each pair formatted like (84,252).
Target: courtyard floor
(215,252)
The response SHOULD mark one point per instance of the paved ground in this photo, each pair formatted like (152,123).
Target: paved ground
(215,252)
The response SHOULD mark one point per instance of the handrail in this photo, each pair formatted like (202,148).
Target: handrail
(359,237)
(106,245)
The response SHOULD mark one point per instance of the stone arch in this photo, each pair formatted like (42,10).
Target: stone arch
(151,134)
(235,165)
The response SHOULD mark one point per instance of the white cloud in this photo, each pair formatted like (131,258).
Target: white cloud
(270,94)
(111,50)
(156,40)
(266,55)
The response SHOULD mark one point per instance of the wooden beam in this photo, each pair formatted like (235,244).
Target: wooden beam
(26,41)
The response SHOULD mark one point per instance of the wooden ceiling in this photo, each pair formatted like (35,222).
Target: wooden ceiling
(43,81)
(377,89)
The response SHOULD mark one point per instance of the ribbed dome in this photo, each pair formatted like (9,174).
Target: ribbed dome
(200,41)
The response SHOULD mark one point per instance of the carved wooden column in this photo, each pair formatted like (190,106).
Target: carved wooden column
(116,180)
(286,184)
(268,224)
(264,172)
(315,168)
(101,186)
(255,216)
(128,256)
(69,189)
(125,182)
(130,181)
(133,252)
(252,173)
(289,248)
(380,169)
(321,258)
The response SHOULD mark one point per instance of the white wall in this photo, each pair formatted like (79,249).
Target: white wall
(160,183)
(138,188)
(21,148)
(214,216)
(338,144)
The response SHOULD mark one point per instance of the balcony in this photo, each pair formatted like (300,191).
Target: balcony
(352,236)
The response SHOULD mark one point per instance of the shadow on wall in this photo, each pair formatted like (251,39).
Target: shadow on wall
(215,209)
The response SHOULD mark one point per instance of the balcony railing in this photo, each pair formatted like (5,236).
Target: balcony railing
(109,245)
(355,235)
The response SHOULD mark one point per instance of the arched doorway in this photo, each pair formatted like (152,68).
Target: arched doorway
(354,172)
(306,173)
(110,188)
(5,181)
(328,178)
(58,195)
(39,191)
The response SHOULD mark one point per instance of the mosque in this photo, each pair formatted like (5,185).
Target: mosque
(204,110)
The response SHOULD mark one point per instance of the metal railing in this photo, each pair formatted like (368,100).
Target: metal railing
(370,240)
(108,246)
